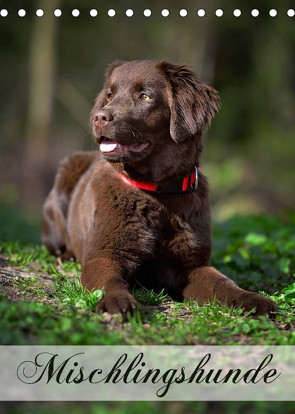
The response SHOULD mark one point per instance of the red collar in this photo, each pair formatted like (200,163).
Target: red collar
(173,186)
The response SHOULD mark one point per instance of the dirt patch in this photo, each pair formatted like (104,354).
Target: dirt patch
(23,284)
(167,308)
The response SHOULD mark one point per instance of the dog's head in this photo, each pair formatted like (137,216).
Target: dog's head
(148,109)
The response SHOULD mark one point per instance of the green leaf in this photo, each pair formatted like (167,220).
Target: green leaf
(255,239)
(289,291)
(81,304)
(244,253)
(66,324)
(97,294)
(289,245)
(227,259)
(284,265)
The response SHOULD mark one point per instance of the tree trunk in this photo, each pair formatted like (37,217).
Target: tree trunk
(40,103)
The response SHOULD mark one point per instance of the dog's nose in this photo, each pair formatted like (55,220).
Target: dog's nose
(102,117)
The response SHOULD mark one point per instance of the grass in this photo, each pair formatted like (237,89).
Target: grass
(71,292)
(187,324)
(257,252)
(149,296)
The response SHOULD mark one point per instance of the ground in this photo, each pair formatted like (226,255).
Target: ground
(43,302)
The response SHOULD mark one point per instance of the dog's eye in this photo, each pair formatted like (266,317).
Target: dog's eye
(109,96)
(144,97)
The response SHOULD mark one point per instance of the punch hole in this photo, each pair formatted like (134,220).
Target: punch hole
(201,12)
(3,13)
(39,13)
(219,13)
(183,13)
(165,12)
(75,13)
(93,12)
(111,13)
(237,12)
(57,12)
(291,12)
(147,13)
(255,13)
(129,13)
(22,13)
(273,13)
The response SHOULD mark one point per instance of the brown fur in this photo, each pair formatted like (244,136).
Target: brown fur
(123,235)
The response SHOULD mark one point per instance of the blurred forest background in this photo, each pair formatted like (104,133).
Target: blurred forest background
(52,68)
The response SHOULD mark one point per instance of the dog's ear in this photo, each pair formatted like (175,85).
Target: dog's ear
(100,100)
(192,103)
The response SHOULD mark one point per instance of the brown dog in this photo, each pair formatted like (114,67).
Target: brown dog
(139,210)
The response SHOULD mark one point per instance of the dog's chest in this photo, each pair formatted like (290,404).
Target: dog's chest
(180,242)
(154,232)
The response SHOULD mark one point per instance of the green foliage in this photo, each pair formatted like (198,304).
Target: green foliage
(290,291)
(258,252)
(22,225)
(70,292)
(38,323)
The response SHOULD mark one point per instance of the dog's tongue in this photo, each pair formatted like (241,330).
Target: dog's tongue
(108,146)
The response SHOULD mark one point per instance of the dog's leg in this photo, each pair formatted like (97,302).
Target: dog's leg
(206,283)
(103,273)
(54,231)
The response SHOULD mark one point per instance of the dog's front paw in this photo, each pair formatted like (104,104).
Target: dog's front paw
(259,305)
(119,303)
